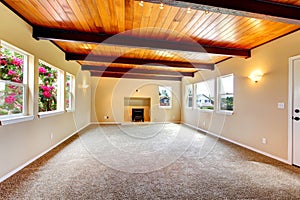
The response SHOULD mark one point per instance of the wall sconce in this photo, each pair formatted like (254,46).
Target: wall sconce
(256,76)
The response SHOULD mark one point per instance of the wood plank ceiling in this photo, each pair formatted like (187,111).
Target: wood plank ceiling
(134,39)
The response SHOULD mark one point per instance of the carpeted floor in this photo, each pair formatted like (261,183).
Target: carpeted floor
(158,161)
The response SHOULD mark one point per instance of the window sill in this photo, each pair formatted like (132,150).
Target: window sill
(7,121)
(225,112)
(205,110)
(50,114)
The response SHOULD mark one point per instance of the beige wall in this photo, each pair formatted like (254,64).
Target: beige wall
(255,104)
(108,98)
(22,142)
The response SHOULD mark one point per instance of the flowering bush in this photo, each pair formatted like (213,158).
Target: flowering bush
(68,93)
(11,73)
(11,68)
(47,88)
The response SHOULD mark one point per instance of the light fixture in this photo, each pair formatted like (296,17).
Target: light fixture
(206,12)
(141,3)
(189,10)
(161,6)
(256,76)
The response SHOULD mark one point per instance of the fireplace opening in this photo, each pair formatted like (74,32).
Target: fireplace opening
(137,114)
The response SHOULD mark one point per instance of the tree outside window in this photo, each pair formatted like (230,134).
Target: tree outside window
(13,86)
(226,93)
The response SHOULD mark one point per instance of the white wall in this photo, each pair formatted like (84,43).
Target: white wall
(22,142)
(256,115)
(108,98)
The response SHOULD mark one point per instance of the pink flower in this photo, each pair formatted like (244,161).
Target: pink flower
(17,61)
(17,79)
(11,72)
(3,62)
(42,70)
(47,94)
(10,99)
(45,88)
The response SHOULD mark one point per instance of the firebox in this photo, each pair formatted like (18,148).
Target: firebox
(137,114)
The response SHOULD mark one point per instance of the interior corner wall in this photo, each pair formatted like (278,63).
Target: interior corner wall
(256,114)
(108,99)
(22,142)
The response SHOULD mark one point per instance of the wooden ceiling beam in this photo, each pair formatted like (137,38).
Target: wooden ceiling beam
(136,61)
(260,9)
(134,76)
(124,70)
(44,33)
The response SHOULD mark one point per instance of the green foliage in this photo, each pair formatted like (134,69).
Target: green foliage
(227,103)
(11,73)
(47,88)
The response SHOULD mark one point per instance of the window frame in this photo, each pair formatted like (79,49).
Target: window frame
(169,89)
(188,96)
(71,93)
(26,113)
(60,102)
(219,94)
(213,93)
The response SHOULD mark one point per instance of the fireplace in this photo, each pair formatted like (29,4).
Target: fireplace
(137,114)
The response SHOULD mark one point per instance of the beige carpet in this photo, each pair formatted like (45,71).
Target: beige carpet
(151,162)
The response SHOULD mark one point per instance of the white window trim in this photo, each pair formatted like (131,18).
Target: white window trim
(72,92)
(219,111)
(50,113)
(187,96)
(171,98)
(195,95)
(25,115)
(16,119)
(60,93)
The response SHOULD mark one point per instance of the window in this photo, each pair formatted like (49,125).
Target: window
(205,98)
(225,92)
(70,82)
(189,95)
(13,81)
(50,88)
(165,97)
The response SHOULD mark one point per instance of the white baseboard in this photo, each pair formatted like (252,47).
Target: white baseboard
(130,123)
(40,155)
(239,144)
(106,123)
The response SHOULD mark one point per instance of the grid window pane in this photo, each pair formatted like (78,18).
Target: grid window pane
(226,92)
(13,68)
(205,98)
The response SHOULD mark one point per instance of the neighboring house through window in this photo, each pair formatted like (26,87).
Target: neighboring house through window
(165,97)
(205,95)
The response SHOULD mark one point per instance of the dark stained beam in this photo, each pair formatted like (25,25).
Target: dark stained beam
(130,41)
(261,9)
(136,61)
(134,76)
(135,71)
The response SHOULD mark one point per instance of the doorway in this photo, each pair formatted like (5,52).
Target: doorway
(294,110)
